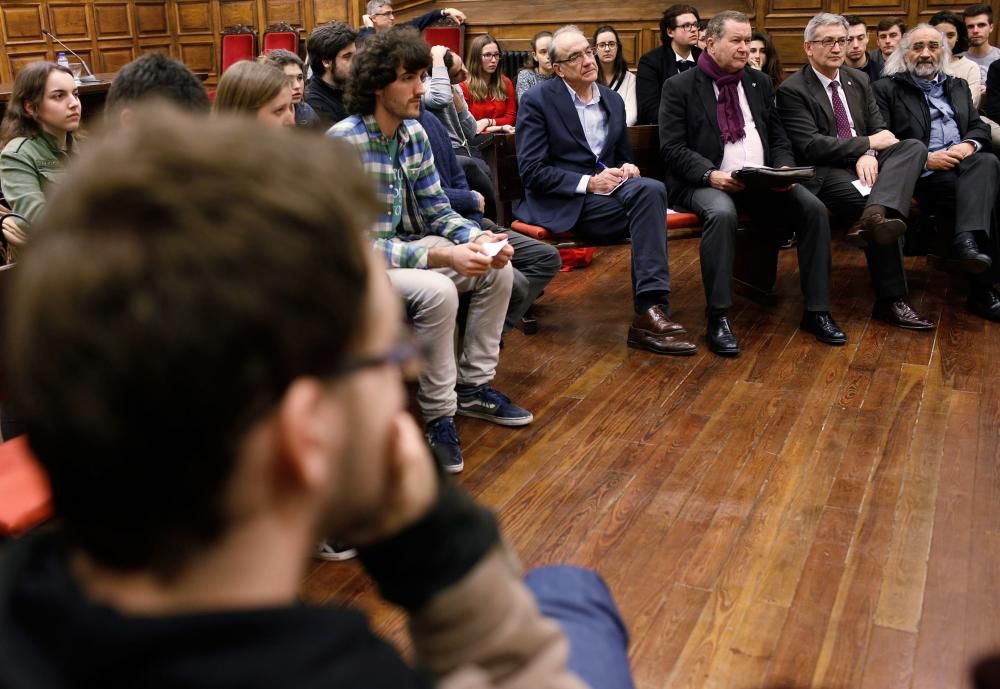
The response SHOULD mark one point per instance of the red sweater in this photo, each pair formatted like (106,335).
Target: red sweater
(503,111)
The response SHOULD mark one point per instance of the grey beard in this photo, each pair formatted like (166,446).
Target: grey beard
(925,70)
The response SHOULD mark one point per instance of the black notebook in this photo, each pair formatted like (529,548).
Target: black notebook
(760,178)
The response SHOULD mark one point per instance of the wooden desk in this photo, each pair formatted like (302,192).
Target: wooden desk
(91,95)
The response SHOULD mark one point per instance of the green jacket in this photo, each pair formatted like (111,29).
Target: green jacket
(27,166)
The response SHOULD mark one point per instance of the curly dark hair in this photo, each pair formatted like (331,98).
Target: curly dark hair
(374,68)
(326,41)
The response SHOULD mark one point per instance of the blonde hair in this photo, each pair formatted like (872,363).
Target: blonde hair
(248,86)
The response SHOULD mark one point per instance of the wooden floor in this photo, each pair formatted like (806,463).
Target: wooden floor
(801,516)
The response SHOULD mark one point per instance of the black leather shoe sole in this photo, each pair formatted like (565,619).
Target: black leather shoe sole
(905,325)
(722,349)
(975,263)
(886,232)
(651,346)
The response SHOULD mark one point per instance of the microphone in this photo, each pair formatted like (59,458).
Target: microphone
(89,77)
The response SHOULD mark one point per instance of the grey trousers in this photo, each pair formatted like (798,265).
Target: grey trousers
(431,300)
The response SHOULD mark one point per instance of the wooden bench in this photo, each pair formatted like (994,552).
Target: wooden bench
(755,269)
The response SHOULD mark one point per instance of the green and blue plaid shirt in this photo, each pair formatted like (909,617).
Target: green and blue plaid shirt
(425,207)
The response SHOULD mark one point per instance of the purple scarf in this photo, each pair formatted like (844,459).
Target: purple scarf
(727,110)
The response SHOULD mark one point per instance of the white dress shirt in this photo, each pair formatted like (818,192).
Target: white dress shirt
(748,151)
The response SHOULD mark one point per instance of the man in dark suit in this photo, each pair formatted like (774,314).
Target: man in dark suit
(678,53)
(574,159)
(718,118)
(959,186)
(833,122)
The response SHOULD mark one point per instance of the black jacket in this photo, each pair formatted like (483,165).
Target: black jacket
(655,67)
(991,103)
(326,100)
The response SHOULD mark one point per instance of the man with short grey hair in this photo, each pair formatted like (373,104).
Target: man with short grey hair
(959,185)
(864,173)
(379,17)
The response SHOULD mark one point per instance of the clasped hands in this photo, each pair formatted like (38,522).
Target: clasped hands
(611,177)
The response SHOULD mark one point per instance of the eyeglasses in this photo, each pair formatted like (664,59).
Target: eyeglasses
(384,14)
(920,47)
(607,46)
(829,42)
(576,57)
(407,354)
(491,56)
(687,26)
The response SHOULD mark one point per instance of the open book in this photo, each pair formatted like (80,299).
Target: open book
(763,178)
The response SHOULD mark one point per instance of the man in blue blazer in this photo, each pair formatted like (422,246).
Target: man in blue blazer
(575,164)
(716,119)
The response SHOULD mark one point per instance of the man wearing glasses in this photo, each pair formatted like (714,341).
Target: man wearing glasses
(678,53)
(574,158)
(960,183)
(833,122)
(381,17)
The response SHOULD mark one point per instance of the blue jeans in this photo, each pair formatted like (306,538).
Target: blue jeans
(580,602)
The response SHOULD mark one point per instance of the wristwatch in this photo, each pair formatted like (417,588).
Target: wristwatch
(705,177)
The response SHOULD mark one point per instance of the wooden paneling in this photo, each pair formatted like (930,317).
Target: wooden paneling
(193,16)
(113,20)
(151,18)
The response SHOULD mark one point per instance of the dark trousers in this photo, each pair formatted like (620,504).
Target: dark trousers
(797,207)
(637,209)
(535,264)
(899,168)
(579,601)
(964,199)
(477,173)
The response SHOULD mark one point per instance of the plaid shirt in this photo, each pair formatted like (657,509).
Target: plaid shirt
(425,207)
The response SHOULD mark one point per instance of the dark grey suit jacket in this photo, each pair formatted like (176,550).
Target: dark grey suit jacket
(808,117)
(904,108)
(690,139)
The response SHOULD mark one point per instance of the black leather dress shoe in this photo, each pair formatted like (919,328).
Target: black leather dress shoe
(985,303)
(720,336)
(876,229)
(900,314)
(968,254)
(655,332)
(822,325)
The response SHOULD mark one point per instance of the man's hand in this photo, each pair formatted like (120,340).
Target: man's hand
(867,169)
(883,140)
(963,150)
(608,179)
(470,260)
(723,181)
(480,201)
(943,160)
(630,170)
(482,124)
(437,55)
(457,15)
(506,253)
(411,484)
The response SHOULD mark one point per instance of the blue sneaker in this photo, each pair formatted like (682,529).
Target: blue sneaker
(443,439)
(490,404)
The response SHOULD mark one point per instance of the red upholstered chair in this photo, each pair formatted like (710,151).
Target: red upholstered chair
(25,496)
(238,43)
(452,37)
(281,36)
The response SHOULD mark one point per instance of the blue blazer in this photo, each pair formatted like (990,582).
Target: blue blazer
(552,152)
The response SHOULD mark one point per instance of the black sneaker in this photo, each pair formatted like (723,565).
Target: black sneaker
(443,439)
(490,404)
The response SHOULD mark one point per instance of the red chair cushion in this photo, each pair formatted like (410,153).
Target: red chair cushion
(448,36)
(538,232)
(25,496)
(578,257)
(285,40)
(236,47)
(675,220)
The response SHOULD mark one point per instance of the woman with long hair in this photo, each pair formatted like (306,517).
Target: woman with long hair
(764,57)
(257,89)
(953,28)
(539,66)
(37,135)
(612,70)
(489,93)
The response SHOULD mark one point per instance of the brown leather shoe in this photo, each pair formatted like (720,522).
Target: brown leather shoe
(875,229)
(900,314)
(654,332)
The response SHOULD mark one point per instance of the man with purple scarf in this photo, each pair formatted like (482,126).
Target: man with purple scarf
(714,120)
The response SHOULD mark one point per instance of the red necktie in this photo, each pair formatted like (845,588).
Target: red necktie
(840,113)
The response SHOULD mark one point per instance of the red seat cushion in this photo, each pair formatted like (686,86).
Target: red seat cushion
(25,497)
(236,47)
(538,232)
(675,220)
(285,40)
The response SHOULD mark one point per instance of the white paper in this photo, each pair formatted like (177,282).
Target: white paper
(491,249)
(611,191)
(861,187)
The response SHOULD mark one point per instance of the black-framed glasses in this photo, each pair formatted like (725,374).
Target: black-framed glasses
(607,45)
(687,26)
(384,14)
(490,56)
(408,354)
(829,42)
(576,57)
